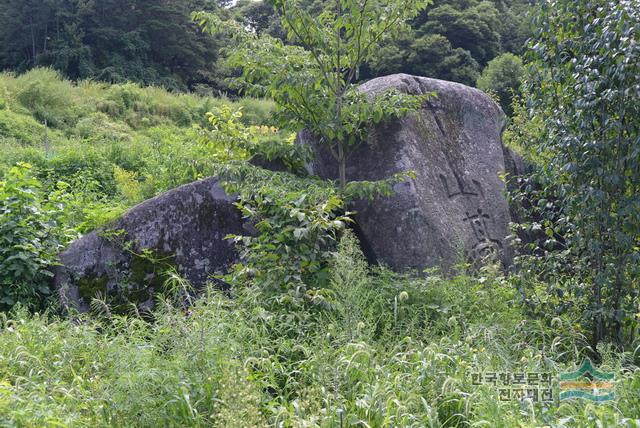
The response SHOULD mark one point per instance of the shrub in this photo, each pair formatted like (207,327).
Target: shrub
(584,69)
(47,97)
(98,128)
(20,128)
(70,161)
(298,221)
(257,111)
(503,76)
(128,185)
(90,208)
(31,234)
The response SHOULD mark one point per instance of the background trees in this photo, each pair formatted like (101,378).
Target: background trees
(151,42)
(503,76)
(455,40)
(154,42)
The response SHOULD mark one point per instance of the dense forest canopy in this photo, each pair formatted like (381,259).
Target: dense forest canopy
(147,41)
(155,42)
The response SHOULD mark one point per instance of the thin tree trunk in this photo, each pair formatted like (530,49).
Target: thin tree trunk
(33,42)
(597,327)
(342,165)
(46,140)
(617,308)
(46,36)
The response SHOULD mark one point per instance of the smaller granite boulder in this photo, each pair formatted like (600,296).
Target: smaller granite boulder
(183,229)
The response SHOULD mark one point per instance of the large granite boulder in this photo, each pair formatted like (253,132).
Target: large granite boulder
(455,209)
(183,229)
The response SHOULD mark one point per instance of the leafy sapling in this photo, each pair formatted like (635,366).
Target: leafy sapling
(313,80)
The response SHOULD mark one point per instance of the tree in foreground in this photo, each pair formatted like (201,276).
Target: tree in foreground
(314,79)
(584,84)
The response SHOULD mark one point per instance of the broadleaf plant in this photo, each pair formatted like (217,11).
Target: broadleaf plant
(584,87)
(313,78)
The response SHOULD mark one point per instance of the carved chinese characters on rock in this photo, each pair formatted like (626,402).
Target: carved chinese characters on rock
(480,222)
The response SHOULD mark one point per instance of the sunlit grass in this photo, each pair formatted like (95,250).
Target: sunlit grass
(231,363)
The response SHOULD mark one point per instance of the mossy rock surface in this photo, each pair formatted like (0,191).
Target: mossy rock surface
(183,229)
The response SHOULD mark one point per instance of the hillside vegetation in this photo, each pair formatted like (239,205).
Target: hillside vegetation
(306,332)
(391,351)
(379,349)
(155,43)
(121,142)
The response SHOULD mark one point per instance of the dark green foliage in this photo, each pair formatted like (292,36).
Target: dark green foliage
(430,55)
(151,42)
(261,16)
(583,85)
(503,77)
(32,232)
(474,28)
(454,40)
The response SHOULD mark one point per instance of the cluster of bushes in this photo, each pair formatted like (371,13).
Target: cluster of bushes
(75,156)
(312,335)
(32,232)
(113,136)
(580,122)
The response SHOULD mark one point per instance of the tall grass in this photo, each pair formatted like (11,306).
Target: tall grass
(390,350)
(382,349)
(45,95)
(116,144)
(88,115)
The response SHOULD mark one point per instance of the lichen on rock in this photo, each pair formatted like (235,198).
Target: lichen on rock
(456,203)
(183,229)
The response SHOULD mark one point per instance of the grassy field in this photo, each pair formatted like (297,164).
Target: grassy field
(382,349)
(394,351)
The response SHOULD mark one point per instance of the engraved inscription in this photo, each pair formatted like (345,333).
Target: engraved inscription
(485,245)
(479,221)
(461,187)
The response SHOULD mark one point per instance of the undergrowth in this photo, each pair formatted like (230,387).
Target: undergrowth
(387,350)
(308,335)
